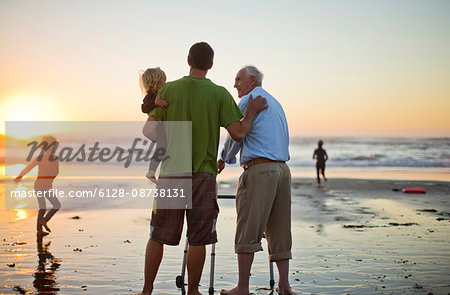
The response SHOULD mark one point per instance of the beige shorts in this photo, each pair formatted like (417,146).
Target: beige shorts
(263,204)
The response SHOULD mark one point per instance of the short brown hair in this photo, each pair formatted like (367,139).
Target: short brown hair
(201,56)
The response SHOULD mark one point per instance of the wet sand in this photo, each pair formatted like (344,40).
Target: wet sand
(350,236)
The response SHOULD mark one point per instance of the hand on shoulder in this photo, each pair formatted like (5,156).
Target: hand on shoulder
(256,104)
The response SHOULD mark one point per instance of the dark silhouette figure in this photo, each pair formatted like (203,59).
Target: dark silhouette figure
(48,169)
(44,277)
(321,155)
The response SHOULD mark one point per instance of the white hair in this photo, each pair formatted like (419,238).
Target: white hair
(252,71)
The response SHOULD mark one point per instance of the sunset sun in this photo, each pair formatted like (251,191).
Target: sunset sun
(30,107)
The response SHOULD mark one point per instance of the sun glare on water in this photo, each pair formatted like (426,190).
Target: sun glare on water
(21,214)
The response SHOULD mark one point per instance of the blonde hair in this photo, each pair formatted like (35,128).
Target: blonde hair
(149,80)
(49,142)
(48,139)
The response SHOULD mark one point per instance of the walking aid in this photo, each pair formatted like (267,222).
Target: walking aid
(180,279)
(272,281)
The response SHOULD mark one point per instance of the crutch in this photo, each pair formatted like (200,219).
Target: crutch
(211,273)
(272,280)
(180,279)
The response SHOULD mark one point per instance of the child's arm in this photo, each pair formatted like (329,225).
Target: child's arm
(325,157)
(26,170)
(160,102)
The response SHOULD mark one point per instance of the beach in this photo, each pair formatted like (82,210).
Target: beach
(350,236)
(355,90)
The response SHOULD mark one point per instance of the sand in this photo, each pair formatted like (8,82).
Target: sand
(350,236)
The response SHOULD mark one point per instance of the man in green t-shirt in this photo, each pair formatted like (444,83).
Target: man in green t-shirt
(209,107)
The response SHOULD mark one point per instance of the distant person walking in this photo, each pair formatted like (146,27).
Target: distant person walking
(321,155)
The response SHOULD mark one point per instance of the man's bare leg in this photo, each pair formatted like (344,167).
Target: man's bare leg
(245,261)
(283,274)
(153,256)
(195,261)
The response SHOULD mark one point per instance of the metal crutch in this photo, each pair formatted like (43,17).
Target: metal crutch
(180,279)
(211,274)
(272,281)
(213,253)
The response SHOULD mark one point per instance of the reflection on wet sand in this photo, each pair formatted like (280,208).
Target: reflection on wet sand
(44,277)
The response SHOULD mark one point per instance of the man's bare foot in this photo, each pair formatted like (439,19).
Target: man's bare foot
(146,290)
(194,293)
(235,291)
(285,291)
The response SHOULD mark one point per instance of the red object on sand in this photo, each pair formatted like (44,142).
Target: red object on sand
(414,190)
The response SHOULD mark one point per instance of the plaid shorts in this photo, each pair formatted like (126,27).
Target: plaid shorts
(166,225)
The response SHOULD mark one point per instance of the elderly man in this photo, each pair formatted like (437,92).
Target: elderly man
(208,106)
(263,198)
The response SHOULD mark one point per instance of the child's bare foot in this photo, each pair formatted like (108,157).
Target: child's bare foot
(151,175)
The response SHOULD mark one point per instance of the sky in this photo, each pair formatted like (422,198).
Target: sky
(339,68)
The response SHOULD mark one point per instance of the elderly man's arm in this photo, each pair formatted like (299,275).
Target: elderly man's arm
(239,129)
(228,154)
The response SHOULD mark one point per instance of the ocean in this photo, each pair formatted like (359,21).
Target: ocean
(374,152)
(372,155)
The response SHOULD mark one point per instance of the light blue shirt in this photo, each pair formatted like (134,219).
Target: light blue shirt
(268,137)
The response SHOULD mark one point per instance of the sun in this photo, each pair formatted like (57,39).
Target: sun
(30,107)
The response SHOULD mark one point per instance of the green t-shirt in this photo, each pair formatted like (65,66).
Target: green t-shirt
(208,106)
